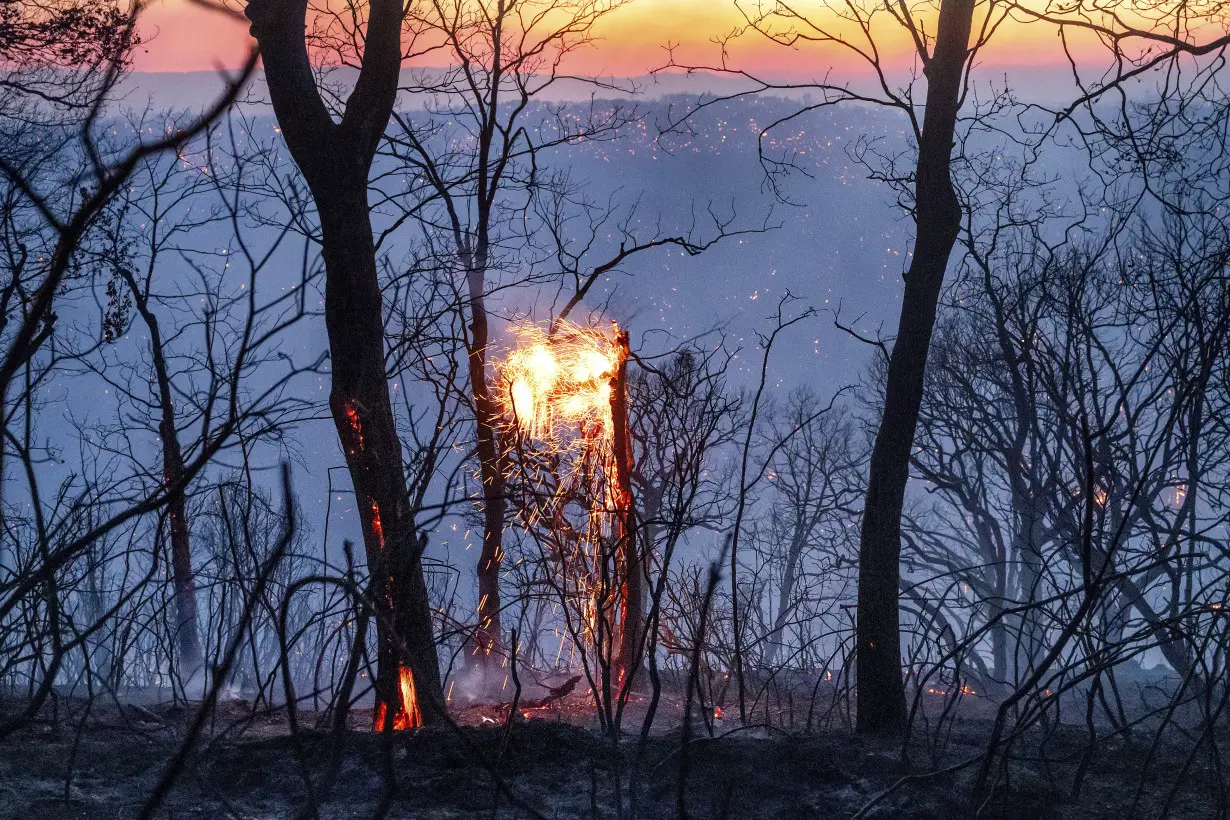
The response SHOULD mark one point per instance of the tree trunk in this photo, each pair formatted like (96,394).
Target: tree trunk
(491,471)
(336,159)
(363,415)
(881,693)
(187,636)
(1026,550)
(633,586)
(786,593)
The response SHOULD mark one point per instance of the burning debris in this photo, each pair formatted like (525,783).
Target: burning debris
(409,715)
(554,694)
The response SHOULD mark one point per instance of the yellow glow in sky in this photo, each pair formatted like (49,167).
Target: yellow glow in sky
(632,41)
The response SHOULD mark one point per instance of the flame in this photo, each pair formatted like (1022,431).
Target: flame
(557,397)
(408,715)
(964,690)
(559,382)
(356,421)
(377,523)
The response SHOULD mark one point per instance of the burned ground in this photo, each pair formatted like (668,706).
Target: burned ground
(107,764)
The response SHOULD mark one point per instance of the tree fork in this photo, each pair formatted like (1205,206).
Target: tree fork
(335,159)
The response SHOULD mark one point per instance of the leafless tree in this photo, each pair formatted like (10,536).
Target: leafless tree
(815,494)
(168,203)
(948,38)
(57,193)
(499,211)
(335,156)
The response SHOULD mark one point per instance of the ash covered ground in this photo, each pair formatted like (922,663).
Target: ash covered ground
(106,761)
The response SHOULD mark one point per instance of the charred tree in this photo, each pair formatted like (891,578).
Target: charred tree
(881,692)
(187,635)
(491,459)
(335,159)
(501,214)
(633,583)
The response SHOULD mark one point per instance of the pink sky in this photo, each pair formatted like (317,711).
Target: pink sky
(185,37)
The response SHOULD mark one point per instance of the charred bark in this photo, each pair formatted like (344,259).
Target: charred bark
(491,472)
(881,692)
(785,597)
(336,159)
(633,585)
(187,636)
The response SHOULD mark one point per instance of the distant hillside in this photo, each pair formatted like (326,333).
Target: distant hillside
(195,89)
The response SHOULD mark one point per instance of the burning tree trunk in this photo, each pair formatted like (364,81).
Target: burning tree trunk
(630,560)
(567,398)
(335,159)
(498,189)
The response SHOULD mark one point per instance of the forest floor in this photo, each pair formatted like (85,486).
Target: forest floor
(106,763)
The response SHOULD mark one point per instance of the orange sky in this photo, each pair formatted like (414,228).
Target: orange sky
(184,37)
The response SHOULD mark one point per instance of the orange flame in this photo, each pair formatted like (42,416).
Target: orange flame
(559,382)
(557,397)
(356,422)
(408,715)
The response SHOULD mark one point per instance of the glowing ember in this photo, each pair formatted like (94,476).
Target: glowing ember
(965,690)
(356,423)
(377,524)
(409,715)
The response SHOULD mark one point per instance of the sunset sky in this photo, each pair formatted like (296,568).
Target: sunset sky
(184,37)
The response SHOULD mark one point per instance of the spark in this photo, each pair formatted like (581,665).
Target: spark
(560,429)
(559,382)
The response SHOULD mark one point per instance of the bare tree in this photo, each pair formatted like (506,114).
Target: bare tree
(815,494)
(60,171)
(498,214)
(168,202)
(685,416)
(335,158)
(948,38)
